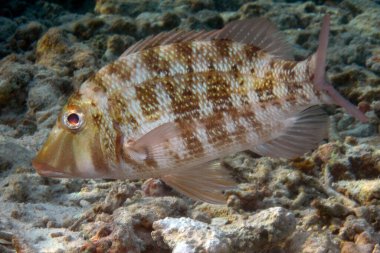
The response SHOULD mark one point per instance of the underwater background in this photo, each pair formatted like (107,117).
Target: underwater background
(325,201)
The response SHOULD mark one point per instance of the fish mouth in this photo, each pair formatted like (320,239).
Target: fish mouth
(46,170)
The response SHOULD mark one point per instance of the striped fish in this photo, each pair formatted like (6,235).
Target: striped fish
(172,105)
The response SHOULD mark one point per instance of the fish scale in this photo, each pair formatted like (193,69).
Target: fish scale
(175,103)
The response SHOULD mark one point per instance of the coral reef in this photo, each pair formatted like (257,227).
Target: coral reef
(325,201)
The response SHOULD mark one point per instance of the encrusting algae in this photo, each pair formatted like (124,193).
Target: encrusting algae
(175,103)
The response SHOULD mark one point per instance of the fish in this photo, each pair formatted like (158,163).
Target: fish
(173,105)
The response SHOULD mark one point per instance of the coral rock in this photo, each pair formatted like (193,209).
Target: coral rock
(186,235)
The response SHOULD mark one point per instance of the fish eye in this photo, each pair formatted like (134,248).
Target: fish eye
(73,120)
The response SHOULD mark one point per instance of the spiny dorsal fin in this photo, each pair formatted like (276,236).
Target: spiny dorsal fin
(166,38)
(258,32)
(305,131)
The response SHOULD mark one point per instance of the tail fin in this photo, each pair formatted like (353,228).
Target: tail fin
(319,62)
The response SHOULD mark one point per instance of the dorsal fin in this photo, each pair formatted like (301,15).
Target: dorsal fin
(258,32)
(166,38)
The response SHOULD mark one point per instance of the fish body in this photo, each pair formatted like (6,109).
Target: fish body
(174,104)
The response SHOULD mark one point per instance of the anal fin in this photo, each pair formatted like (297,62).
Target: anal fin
(305,130)
(205,182)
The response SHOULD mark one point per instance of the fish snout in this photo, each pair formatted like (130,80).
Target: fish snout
(72,156)
(56,157)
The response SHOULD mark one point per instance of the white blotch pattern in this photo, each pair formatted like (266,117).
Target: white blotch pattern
(178,147)
(251,136)
(203,137)
(165,102)
(280,90)
(229,123)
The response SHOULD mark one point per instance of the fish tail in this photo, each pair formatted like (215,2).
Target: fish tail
(318,61)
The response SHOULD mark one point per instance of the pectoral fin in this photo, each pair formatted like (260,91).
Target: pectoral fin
(205,182)
(150,145)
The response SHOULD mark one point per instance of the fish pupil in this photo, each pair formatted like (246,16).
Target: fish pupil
(73,119)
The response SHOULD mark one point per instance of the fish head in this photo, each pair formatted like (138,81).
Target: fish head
(73,148)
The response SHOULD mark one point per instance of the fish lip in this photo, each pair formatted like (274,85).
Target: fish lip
(46,170)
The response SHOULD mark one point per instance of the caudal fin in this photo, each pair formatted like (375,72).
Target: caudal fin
(319,62)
